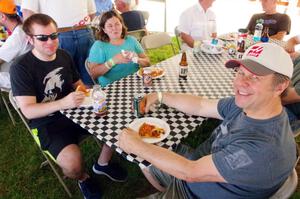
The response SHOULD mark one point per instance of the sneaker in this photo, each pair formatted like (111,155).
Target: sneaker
(89,189)
(112,171)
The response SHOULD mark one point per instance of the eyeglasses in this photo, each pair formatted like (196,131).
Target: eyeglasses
(52,36)
(239,73)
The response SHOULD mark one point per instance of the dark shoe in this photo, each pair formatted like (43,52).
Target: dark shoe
(113,171)
(89,189)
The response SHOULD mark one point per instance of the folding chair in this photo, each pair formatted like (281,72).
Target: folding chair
(2,91)
(177,36)
(86,64)
(138,34)
(288,187)
(49,159)
(5,87)
(157,40)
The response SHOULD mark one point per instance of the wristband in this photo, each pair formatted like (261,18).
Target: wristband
(107,65)
(159,97)
(111,62)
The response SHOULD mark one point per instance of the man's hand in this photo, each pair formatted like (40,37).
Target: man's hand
(151,99)
(72,100)
(128,138)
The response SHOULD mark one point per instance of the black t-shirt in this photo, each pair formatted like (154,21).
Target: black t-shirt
(134,20)
(276,23)
(47,81)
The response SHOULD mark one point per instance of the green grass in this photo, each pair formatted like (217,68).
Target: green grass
(21,176)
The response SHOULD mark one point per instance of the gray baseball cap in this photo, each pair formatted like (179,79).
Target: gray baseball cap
(264,59)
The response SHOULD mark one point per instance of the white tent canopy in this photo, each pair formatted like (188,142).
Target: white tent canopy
(231,14)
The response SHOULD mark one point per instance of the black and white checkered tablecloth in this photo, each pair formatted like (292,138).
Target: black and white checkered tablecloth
(207,77)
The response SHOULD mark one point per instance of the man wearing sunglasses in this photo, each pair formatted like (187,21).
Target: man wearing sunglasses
(16,44)
(249,155)
(73,18)
(43,82)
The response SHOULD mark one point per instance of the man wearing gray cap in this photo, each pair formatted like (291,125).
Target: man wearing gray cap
(249,155)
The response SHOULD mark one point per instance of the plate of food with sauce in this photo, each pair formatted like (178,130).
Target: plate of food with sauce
(152,130)
(156,72)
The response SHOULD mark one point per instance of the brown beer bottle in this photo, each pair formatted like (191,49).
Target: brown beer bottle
(183,66)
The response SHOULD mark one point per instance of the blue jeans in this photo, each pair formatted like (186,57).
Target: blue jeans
(78,44)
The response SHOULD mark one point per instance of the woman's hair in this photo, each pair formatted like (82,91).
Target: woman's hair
(40,19)
(100,34)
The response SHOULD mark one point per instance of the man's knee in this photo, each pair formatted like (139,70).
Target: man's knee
(70,160)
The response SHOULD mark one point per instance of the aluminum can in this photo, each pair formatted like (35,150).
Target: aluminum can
(137,98)
(147,78)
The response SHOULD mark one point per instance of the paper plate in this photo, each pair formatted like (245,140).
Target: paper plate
(135,125)
(138,73)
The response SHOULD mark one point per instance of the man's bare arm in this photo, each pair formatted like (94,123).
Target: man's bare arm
(190,104)
(202,170)
(291,97)
(279,36)
(187,39)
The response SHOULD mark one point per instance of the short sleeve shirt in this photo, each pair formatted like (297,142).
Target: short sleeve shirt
(197,23)
(15,45)
(103,6)
(103,51)
(254,156)
(276,22)
(66,13)
(47,81)
(134,20)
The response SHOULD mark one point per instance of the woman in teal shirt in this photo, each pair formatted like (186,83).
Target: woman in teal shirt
(115,55)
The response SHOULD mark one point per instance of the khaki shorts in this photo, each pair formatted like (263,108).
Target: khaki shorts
(175,188)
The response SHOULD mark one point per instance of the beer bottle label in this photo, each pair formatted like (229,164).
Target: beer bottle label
(183,71)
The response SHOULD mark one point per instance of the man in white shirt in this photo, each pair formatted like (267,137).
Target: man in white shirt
(73,18)
(15,45)
(197,23)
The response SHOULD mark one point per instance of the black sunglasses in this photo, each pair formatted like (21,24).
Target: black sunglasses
(52,36)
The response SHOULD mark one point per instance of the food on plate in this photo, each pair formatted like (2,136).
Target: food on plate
(83,89)
(229,36)
(155,71)
(150,131)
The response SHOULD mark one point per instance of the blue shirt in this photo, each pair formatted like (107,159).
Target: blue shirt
(103,51)
(103,6)
(254,156)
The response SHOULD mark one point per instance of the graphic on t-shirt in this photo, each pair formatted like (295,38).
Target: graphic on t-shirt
(238,159)
(52,81)
(269,21)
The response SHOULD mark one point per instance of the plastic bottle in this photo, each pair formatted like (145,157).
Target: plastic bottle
(258,31)
(99,101)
